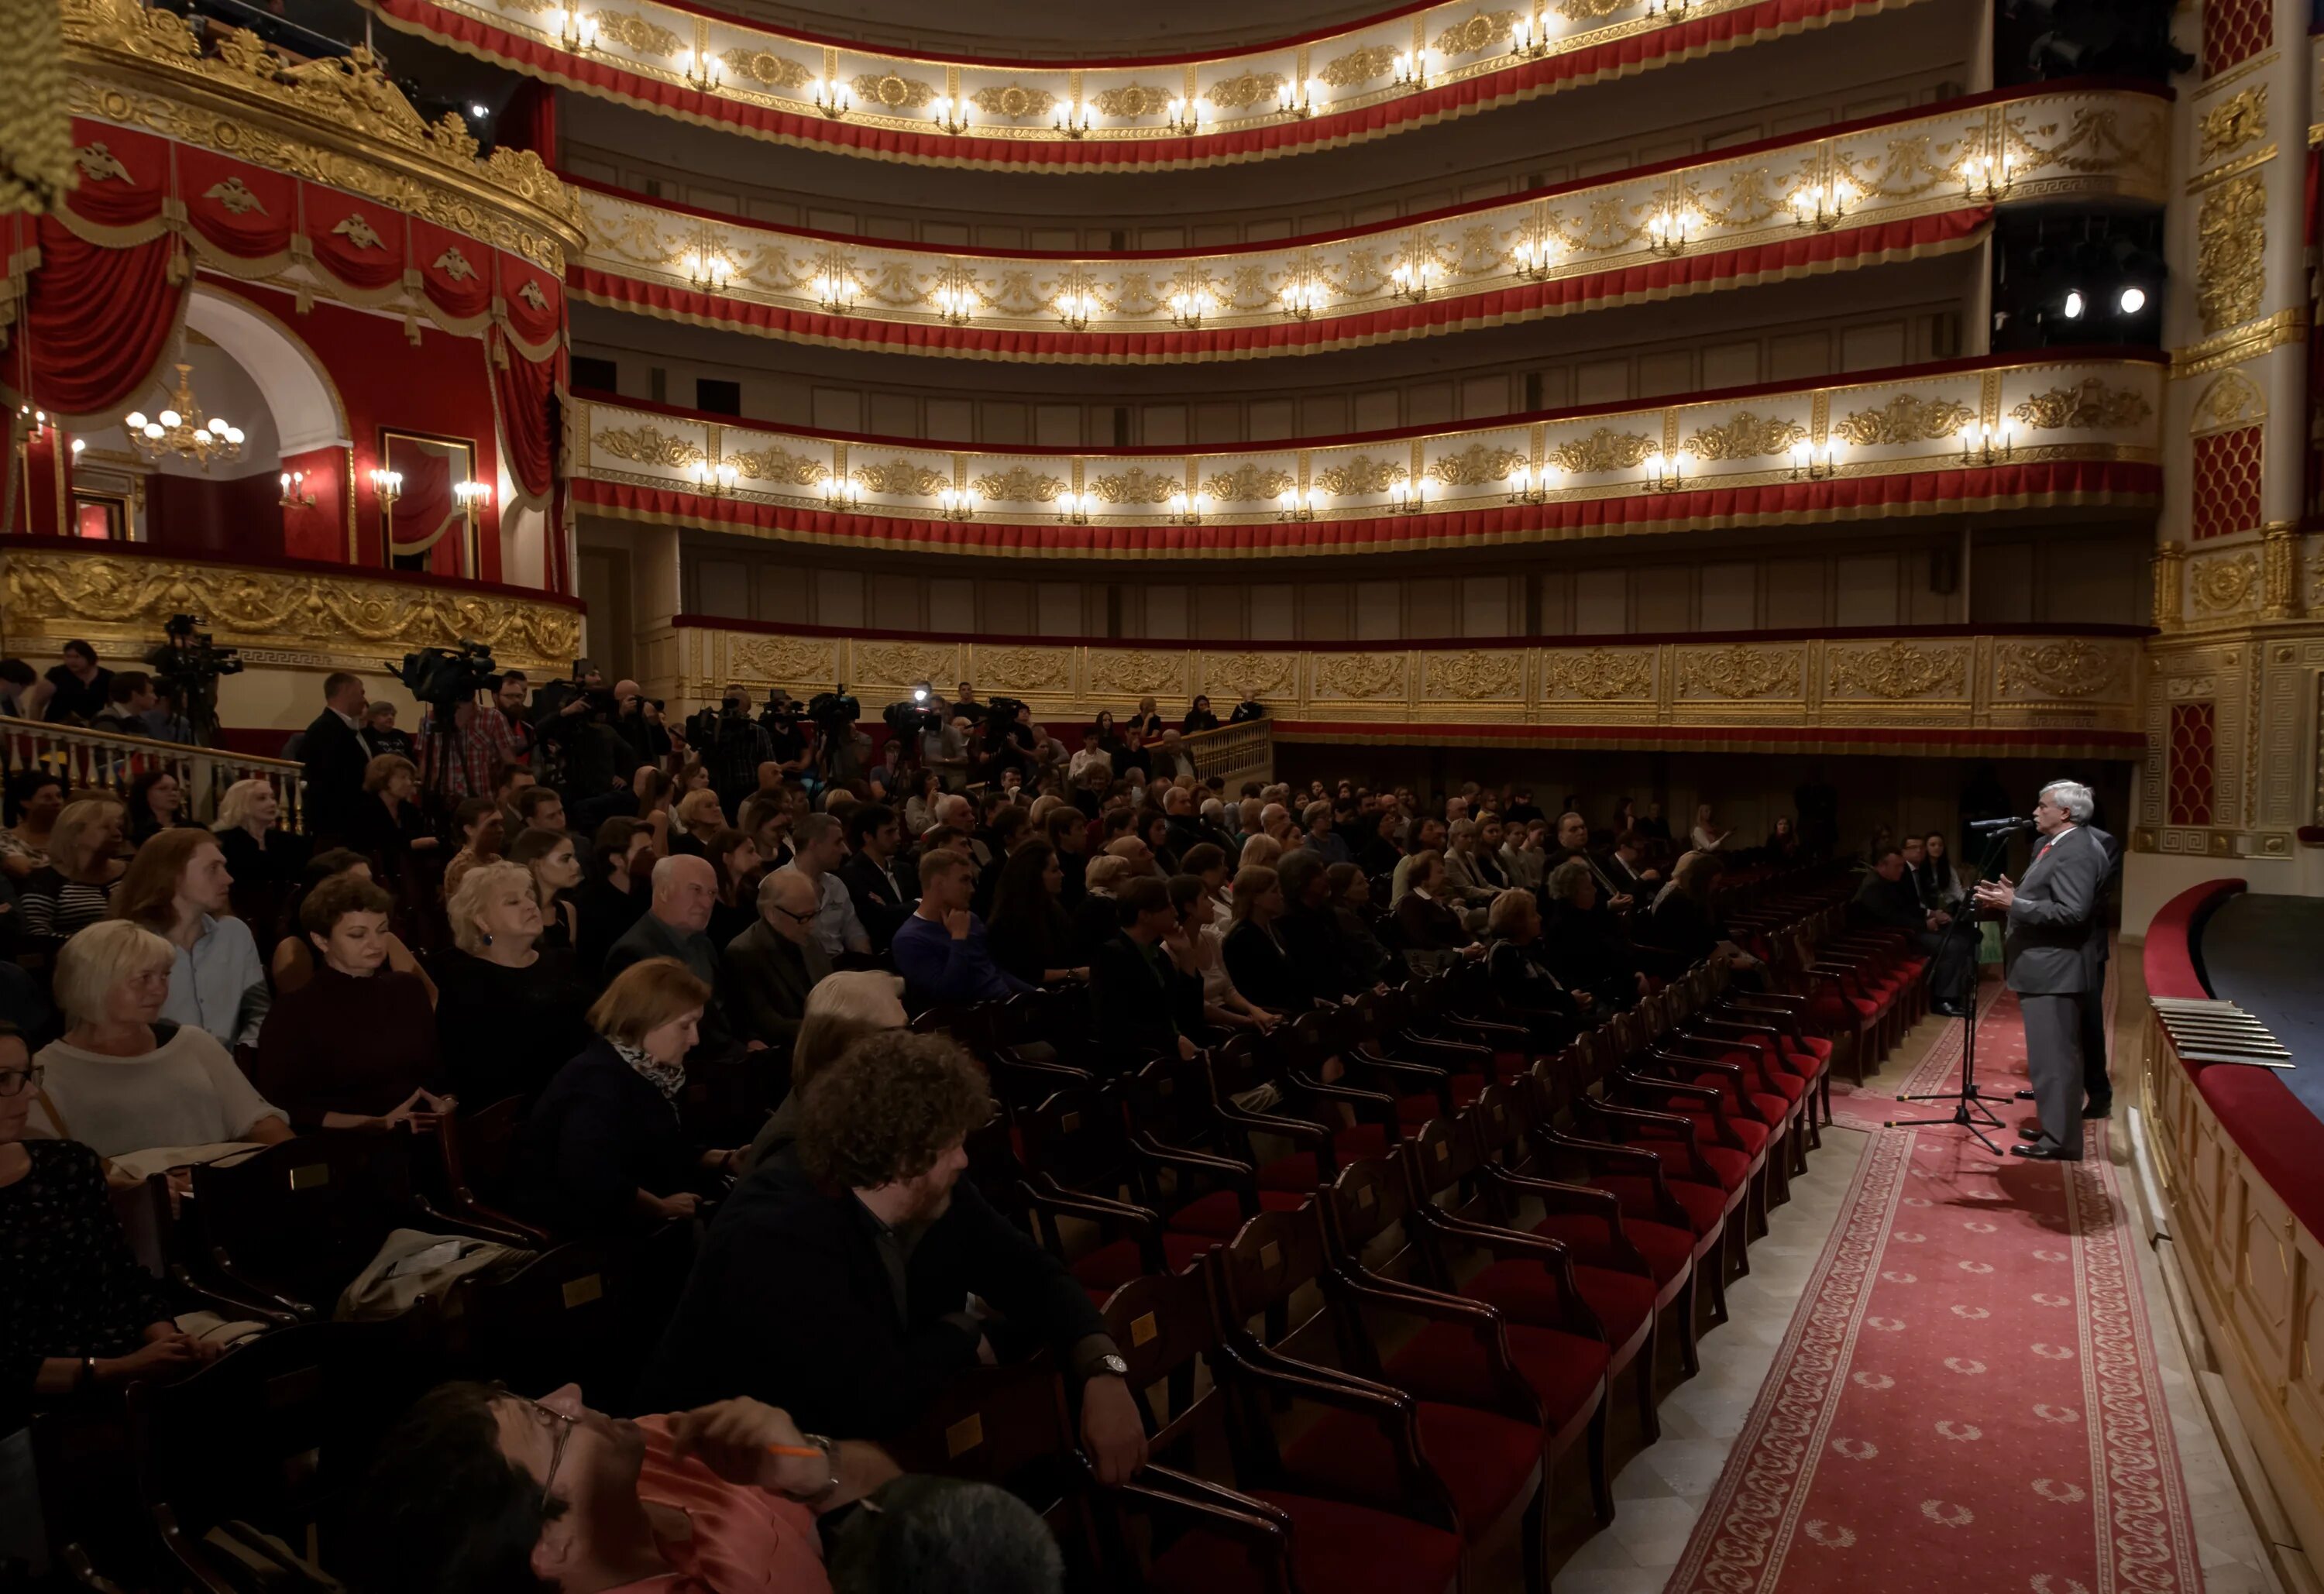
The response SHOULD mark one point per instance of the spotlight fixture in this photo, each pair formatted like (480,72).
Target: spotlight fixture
(2073,307)
(831,97)
(294,489)
(1813,462)
(1184,510)
(1988,445)
(1528,486)
(2131,302)
(1292,504)
(951,115)
(1666,473)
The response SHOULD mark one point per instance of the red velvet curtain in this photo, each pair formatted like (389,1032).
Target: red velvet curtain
(530,122)
(96,323)
(521,389)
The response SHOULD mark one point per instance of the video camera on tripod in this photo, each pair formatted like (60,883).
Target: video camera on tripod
(189,665)
(445,677)
(915,716)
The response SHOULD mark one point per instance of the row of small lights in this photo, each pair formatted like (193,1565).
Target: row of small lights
(1820,205)
(1530,39)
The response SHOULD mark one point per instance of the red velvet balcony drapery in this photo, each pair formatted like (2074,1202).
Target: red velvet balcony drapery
(90,324)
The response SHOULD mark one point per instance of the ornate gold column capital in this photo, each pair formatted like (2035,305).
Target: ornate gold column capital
(2169,557)
(2279,572)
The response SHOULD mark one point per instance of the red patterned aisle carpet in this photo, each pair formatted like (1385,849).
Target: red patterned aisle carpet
(1968,1400)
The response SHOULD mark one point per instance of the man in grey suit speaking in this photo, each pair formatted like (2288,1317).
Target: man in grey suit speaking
(2051,920)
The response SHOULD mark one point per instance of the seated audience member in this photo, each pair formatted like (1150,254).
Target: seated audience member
(1349,893)
(1526,985)
(509,1009)
(484,836)
(820,846)
(1030,933)
(1687,924)
(538,808)
(75,890)
(734,860)
(510,782)
(354,1048)
(129,707)
(920,807)
(766,819)
(157,802)
(1784,841)
(293,963)
(1583,941)
(36,798)
(1256,960)
(700,817)
(867,1218)
(547,857)
(1142,994)
(119,1081)
(1223,1008)
(1095,919)
(1308,929)
(839,1011)
(1708,836)
(1427,837)
(876,879)
(83,1314)
(379,736)
(1522,861)
(1627,868)
(264,860)
(1430,928)
(1476,864)
(603,1151)
(1381,851)
(481,1491)
(1940,884)
(1208,864)
(769,968)
(1323,838)
(1258,851)
(1199,717)
(177,887)
(387,826)
(941,949)
(620,858)
(1887,898)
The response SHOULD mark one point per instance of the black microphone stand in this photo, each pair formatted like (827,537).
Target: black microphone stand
(1967,1097)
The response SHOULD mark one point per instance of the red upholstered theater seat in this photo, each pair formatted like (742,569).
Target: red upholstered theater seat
(1335,1545)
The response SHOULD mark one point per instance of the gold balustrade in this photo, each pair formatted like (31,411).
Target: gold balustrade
(86,760)
(1234,753)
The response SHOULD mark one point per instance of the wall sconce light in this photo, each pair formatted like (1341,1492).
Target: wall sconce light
(474,496)
(1412,71)
(1529,36)
(1073,120)
(1184,510)
(1304,295)
(834,287)
(1668,11)
(953,504)
(1076,508)
(387,485)
(1412,278)
(1189,305)
(1670,229)
(1666,473)
(1536,254)
(1987,177)
(1411,496)
(842,492)
(708,270)
(1075,303)
(1988,445)
(702,71)
(1187,117)
(955,295)
(1292,504)
(79,444)
(1822,204)
(715,481)
(951,115)
(1813,462)
(1528,486)
(575,34)
(294,489)
(1302,100)
(831,97)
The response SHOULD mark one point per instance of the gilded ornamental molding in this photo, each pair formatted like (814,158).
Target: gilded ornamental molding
(335,121)
(295,619)
(1406,68)
(1935,693)
(1533,256)
(1977,434)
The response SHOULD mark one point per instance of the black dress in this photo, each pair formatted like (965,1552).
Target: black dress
(265,873)
(505,1032)
(70,1284)
(599,1134)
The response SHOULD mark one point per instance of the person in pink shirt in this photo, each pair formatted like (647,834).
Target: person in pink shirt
(478,1489)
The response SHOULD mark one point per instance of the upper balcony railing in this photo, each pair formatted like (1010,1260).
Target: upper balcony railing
(96,760)
(1405,69)
(1883,190)
(2005,432)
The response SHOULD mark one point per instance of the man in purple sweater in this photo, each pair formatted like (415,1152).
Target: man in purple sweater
(940,950)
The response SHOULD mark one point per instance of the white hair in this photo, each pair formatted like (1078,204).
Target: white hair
(2074,797)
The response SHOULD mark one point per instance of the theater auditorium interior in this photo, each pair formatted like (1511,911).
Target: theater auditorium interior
(1499,795)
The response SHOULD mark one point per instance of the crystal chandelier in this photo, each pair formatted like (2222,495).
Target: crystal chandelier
(180,429)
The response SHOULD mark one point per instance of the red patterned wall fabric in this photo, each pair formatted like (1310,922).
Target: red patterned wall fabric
(2235,30)
(2189,783)
(2227,483)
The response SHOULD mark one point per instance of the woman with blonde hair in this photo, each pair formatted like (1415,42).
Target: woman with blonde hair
(699,817)
(118,1082)
(1260,967)
(604,1150)
(1258,851)
(841,1009)
(264,860)
(509,1014)
(75,889)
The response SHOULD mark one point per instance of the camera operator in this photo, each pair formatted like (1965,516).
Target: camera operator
(487,737)
(1009,738)
(731,746)
(638,720)
(784,720)
(597,765)
(187,667)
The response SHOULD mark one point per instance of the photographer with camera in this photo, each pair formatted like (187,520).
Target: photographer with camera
(732,745)
(186,667)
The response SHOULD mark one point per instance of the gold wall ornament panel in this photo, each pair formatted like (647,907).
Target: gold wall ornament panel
(126,601)
(2070,668)
(1598,675)
(1250,483)
(1905,419)
(1134,673)
(1359,68)
(1226,678)
(1472,677)
(2065,144)
(781,661)
(2232,400)
(2280,572)
(2239,344)
(2089,405)
(1018,671)
(1746,436)
(772,463)
(1738,673)
(337,120)
(1476,465)
(2225,583)
(1357,677)
(628,28)
(893,91)
(1604,449)
(1897,671)
(1139,485)
(2231,252)
(647,445)
(1019,484)
(900,478)
(2238,120)
(1481,31)
(900,665)
(1361,476)
(767,69)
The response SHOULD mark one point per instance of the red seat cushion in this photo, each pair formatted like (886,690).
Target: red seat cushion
(1219,1214)
(1295,1172)
(1567,1370)
(1334,1545)
(1526,1292)
(1730,1167)
(1419,1109)
(1484,1459)
(1110,1266)
(1705,1207)
(1750,1131)
(1667,1250)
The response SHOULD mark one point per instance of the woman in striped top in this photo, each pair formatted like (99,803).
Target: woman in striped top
(75,889)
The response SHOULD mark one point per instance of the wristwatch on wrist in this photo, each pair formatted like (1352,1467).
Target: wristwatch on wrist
(830,1448)
(1109,1364)
(87,1373)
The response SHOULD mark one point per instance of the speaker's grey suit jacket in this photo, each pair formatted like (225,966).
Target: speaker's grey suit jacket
(2045,945)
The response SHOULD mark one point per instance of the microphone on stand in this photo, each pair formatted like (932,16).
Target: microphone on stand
(1999,826)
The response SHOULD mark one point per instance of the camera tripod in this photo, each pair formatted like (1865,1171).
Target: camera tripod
(1966,1098)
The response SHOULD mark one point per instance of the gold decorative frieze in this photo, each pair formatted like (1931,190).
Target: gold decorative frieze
(2238,120)
(122,602)
(2064,144)
(1904,421)
(2083,688)
(2231,252)
(335,120)
(2225,584)
(1746,436)
(2240,343)
(2089,405)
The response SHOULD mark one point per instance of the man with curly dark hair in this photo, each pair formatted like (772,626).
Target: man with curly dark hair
(851,1278)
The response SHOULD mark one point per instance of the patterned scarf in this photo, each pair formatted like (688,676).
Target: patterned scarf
(669,1078)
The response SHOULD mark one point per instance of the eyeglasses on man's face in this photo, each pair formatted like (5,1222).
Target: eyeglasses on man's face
(560,1424)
